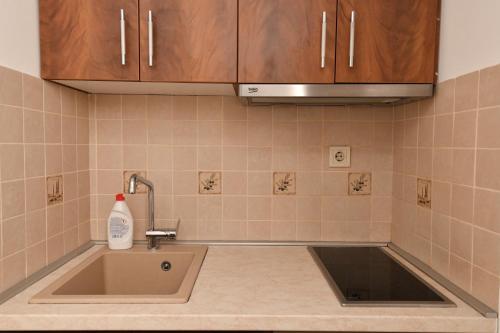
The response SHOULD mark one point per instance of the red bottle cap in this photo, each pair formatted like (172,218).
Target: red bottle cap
(120,197)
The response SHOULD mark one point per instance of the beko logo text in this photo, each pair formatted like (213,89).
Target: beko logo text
(253,90)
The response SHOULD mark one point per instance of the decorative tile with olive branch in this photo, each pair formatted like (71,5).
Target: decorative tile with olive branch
(284,183)
(210,182)
(360,183)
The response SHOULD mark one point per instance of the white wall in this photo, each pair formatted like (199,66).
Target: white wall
(19,44)
(470,36)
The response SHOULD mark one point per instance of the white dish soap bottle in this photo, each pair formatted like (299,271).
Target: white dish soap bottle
(120,225)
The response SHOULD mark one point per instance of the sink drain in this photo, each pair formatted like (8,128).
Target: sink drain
(165,266)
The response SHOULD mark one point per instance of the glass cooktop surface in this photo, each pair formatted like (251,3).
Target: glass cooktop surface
(370,276)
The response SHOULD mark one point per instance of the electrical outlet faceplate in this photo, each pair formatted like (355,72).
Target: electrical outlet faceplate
(340,157)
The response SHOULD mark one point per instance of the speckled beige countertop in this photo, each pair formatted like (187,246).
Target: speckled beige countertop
(276,288)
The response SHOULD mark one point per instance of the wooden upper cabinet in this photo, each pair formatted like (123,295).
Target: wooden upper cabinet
(246,41)
(280,41)
(81,39)
(395,41)
(192,40)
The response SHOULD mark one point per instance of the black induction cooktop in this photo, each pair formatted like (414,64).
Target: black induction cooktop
(369,276)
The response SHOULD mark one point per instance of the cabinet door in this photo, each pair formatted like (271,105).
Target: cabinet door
(280,41)
(394,41)
(192,40)
(82,39)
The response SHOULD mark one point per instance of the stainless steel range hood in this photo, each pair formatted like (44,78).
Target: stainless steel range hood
(333,94)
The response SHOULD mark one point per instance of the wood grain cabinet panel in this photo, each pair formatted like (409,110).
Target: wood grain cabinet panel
(395,41)
(81,39)
(280,41)
(193,40)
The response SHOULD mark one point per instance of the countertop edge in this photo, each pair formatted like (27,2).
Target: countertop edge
(249,323)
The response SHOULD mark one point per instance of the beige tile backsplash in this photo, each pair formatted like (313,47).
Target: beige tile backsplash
(174,138)
(39,137)
(91,140)
(453,141)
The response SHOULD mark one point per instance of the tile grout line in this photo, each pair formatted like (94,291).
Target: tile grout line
(450,203)
(474,184)
(322,177)
(223,201)
(273,167)
(297,143)
(96,137)
(77,158)
(417,170)
(62,167)
(246,172)
(393,129)
(44,126)
(197,161)
(25,247)
(434,118)
(146,171)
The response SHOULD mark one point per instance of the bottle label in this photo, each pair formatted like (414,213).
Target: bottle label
(118,227)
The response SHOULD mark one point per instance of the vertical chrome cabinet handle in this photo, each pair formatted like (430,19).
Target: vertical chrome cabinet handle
(323,40)
(122,36)
(150,38)
(351,39)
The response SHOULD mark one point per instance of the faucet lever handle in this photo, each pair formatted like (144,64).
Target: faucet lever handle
(170,234)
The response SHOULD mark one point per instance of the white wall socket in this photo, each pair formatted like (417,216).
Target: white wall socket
(340,157)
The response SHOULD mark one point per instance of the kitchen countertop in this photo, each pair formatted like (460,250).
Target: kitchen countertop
(274,288)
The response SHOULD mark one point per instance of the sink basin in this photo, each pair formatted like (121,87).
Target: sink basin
(138,275)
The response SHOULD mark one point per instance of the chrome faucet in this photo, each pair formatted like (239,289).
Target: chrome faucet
(152,234)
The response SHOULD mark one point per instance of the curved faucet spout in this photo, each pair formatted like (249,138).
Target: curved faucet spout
(151,233)
(132,184)
(134,181)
